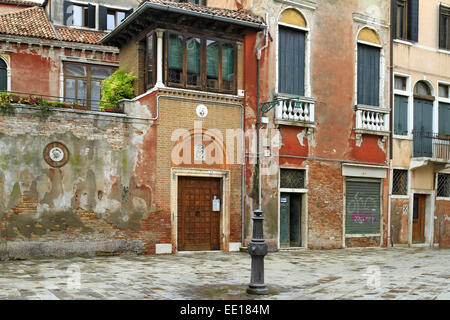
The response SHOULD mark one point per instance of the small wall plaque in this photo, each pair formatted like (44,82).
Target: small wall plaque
(202,111)
(56,154)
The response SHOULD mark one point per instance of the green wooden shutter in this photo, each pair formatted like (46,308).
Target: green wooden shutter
(291,61)
(175,52)
(102,17)
(91,16)
(368,75)
(413,20)
(400,115)
(68,13)
(394,19)
(363,202)
(423,127)
(444,118)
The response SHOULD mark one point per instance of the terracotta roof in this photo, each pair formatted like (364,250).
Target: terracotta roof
(30,22)
(78,35)
(33,22)
(21,2)
(242,14)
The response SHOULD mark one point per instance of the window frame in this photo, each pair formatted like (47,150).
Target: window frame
(407,174)
(401,33)
(440,197)
(442,100)
(88,80)
(115,11)
(380,75)
(84,15)
(406,93)
(203,85)
(444,10)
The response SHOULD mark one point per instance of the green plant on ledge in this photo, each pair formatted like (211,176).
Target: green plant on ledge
(116,87)
(6,108)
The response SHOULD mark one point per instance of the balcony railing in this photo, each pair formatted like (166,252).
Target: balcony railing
(292,110)
(372,119)
(431,145)
(39,100)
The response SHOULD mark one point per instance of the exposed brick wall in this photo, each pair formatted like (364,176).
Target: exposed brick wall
(442,223)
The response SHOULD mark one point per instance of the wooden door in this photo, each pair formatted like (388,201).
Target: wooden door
(198,224)
(418,233)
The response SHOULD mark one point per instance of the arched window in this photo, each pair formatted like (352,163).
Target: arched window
(3,76)
(291,52)
(369,52)
(422,89)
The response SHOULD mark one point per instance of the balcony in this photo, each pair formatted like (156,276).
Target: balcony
(371,120)
(431,145)
(292,111)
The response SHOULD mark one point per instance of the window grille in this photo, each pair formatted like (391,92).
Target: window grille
(400,182)
(443,189)
(292,179)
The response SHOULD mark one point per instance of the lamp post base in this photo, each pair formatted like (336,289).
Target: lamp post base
(258,289)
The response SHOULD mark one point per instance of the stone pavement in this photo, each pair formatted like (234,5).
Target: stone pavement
(370,273)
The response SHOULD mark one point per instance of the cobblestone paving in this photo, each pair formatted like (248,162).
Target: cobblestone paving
(376,273)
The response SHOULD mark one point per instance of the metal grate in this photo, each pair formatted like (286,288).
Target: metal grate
(292,179)
(443,185)
(400,182)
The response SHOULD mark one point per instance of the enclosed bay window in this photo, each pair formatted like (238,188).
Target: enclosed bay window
(200,63)
(82,83)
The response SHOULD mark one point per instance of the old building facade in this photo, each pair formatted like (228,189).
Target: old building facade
(340,162)
(421,151)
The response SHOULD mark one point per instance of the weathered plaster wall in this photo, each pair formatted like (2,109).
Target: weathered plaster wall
(96,203)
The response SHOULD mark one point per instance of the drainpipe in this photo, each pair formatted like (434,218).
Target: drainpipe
(391,100)
(258,115)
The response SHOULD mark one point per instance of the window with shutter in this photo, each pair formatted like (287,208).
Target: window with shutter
(444,117)
(291,61)
(444,27)
(368,75)
(406,19)
(3,75)
(400,115)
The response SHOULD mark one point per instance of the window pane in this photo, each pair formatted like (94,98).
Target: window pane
(110,21)
(400,83)
(77,15)
(443,91)
(175,65)
(120,16)
(95,94)
(82,92)
(76,70)
(422,88)
(69,85)
(212,64)
(100,72)
(193,61)
(228,54)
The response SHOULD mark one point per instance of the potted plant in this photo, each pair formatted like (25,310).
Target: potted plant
(116,87)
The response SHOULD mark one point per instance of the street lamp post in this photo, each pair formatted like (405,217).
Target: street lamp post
(257,248)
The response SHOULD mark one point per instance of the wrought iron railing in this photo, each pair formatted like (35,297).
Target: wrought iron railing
(431,145)
(35,99)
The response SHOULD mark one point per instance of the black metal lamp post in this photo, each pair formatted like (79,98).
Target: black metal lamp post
(257,248)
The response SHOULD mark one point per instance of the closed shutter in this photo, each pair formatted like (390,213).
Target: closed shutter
(102,17)
(400,115)
(394,19)
(368,75)
(91,16)
(444,118)
(423,127)
(3,76)
(363,201)
(413,20)
(291,61)
(68,13)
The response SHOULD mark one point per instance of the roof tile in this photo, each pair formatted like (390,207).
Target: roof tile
(78,35)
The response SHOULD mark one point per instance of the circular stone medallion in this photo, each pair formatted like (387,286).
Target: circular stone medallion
(56,154)
(202,110)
